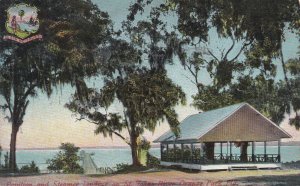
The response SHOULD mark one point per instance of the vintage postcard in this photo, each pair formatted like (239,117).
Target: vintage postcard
(149,92)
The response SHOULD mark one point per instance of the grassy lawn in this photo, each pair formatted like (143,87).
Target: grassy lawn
(21,34)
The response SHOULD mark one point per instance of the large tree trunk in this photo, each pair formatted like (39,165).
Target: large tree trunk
(210,150)
(134,150)
(244,147)
(12,152)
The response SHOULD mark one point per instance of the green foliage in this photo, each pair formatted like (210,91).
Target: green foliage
(209,98)
(122,167)
(269,97)
(6,160)
(184,154)
(293,67)
(295,121)
(246,75)
(125,168)
(143,146)
(141,93)
(144,99)
(266,95)
(72,30)
(152,161)
(21,13)
(32,168)
(142,87)
(143,143)
(66,161)
(259,20)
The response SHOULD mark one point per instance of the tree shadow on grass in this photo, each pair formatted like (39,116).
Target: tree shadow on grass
(292,180)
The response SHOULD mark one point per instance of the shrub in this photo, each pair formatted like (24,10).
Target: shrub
(143,144)
(125,168)
(31,168)
(6,160)
(152,161)
(122,166)
(66,161)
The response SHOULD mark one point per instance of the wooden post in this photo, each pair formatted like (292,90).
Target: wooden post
(230,151)
(200,155)
(265,151)
(161,151)
(192,149)
(279,146)
(174,149)
(182,154)
(227,152)
(253,151)
(221,145)
(167,158)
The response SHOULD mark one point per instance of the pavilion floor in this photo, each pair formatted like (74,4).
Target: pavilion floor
(227,166)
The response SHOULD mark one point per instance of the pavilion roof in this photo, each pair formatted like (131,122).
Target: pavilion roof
(239,122)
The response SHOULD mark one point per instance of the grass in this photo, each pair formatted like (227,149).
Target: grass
(19,33)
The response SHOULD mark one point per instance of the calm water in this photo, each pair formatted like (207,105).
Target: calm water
(111,157)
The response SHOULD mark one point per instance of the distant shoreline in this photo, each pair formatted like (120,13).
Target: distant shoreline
(96,147)
(292,143)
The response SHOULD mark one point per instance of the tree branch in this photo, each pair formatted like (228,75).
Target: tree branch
(230,49)
(108,128)
(22,113)
(285,71)
(21,105)
(213,55)
(126,121)
(29,91)
(191,80)
(239,53)
(195,74)
(7,99)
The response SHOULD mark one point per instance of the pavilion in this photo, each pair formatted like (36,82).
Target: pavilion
(206,140)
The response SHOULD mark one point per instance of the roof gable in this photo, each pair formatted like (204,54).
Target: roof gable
(246,124)
(197,125)
(227,124)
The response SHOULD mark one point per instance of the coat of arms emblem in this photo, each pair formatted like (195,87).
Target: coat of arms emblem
(22,22)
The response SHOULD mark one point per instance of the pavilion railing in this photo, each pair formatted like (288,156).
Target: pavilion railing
(195,158)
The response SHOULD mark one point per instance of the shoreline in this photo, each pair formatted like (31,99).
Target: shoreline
(274,144)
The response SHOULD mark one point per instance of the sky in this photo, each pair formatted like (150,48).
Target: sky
(48,123)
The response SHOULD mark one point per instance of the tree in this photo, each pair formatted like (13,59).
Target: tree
(21,14)
(136,78)
(256,30)
(146,97)
(66,160)
(266,95)
(31,168)
(293,67)
(72,30)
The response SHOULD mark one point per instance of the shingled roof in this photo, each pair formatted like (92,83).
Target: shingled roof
(239,122)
